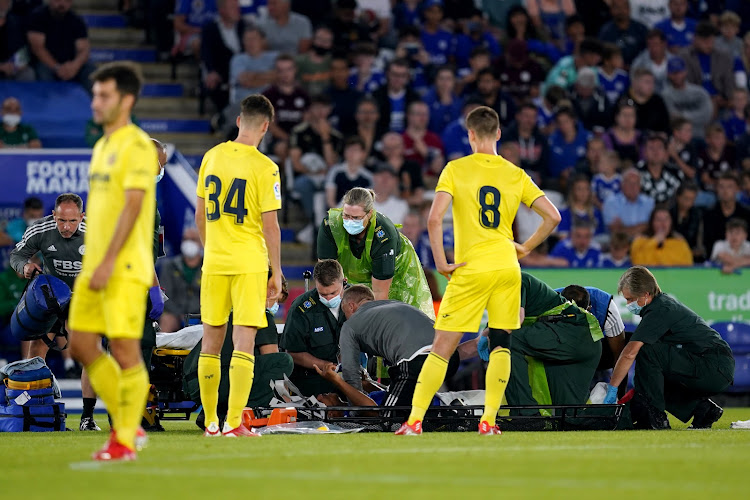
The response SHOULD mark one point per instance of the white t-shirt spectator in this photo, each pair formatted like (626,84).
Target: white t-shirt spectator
(722,246)
(393,208)
(649,12)
(381,8)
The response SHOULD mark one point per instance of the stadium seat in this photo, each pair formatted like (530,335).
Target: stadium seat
(737,335)
(741,374)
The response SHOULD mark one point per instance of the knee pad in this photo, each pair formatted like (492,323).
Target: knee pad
(499,338)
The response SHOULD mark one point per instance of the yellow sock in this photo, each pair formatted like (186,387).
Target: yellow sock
(430,379)
(209,376)
(496,380)
(241,370)
(133,394)
(104,374)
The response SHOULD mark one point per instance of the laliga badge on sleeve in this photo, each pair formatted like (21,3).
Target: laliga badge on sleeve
(277,190)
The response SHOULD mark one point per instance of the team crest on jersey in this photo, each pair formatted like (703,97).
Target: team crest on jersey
(82,249)
(111,159)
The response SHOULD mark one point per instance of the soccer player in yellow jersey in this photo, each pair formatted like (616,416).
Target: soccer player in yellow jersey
(485,190)
(239,193)
(109,296)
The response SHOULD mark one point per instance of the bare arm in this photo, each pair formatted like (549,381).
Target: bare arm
(435,229)
(295,155)
(380,288)
(36,42)
(268,349)
(550,219)
(278,132)
(468,349)
(252,79)
(200,218)
(272,235)
(83,51)
(355,397)
(624,362)
(307,360)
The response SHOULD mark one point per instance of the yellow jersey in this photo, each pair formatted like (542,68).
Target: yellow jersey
(238,184)
(123,161)
(486,191)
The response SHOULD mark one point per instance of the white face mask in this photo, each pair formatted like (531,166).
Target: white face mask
(11,119)
(190,249)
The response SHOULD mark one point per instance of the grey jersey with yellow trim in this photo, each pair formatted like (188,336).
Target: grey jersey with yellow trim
(61,257)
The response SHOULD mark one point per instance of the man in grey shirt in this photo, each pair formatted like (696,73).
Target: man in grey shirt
(686,99)
(399,333)
(287,32)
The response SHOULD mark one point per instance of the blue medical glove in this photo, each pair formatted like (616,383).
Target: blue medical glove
(157,303)
(483,348)
(611,397)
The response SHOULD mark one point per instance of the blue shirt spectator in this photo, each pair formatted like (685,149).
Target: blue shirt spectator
(613,85)
(678,35)
(579,250)
(567,144)
(735,127)
(441,114)
(406,14)
(424,250)
(605,188)
(196,13)
(569,216)
(608,261)
(465,44)
(456,140)
(440,45)
(630,208)
(372,83)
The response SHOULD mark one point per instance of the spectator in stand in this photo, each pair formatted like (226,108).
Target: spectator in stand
(289,100)
(416,230)
(623,138)
(344,98)
(378,16)
(549,18)
(683,149)
(473,35)
(394,97)
(579,250)
(519,26)
(314,66)
(367,129)
(650,111)
(314,136)
(654,58)
(553,96)
(678,28)
(661,246)
(628,211)
(14,54)
(567,145)
(729,42)
(659,179)
(532,145)
(59,42)
(286,32)
(686,99)
(590,103)
(189,19)
(467,77)
(407,13)
(439,43)
(411,49)
(252,71)
(565,72)
(649,12)
(612,78)
(387,200)
(365,76)
(33,210)
(580,209)
(349,174)
(575,33)
(420,145)
(618,256)
(14,133)
(455,136)
(687,218)
(714,69)
(491,94)
(716,218)
(718,156)
(519,74)
(180,276)
(625,32)
(733,252)
(734,123)
(411,183)
(589,164)
(221,40)
(317,12)
(607,182)
(347,29)
(444,104)
(744,195)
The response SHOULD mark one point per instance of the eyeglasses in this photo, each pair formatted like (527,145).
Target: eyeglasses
(352,217)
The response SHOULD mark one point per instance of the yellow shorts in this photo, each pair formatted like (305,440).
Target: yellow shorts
(468,295)
(118,311)
(245,293)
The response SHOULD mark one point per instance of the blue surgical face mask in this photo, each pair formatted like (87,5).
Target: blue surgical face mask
(333,303)
(160,175)
(354,227)
(633,307)
(274,309)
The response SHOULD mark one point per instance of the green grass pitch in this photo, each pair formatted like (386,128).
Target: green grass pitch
(181,464)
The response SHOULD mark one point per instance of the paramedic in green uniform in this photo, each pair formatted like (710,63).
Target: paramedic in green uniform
(681,360)
(312,329)
(373,252)
(558,333)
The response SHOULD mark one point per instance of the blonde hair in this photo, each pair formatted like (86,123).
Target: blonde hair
(365,198)
(639,281)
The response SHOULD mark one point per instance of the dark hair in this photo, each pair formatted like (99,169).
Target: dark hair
(590,46)
(256,106)
(483,121)
(449,68)
(256,29)
(355,139)
(610,50)
(327,272)
(656,33)
(573,19)
(530,29)
(357,294)
(399,61)
(737,223)
(650,229)
(322,99)
(32,203)
(68,198)
(285,57)
(577,294)
(480,51)
(409,31)
(487,71)
(127,76)
(566,110)
(678,122)
(686,186)
(555,94)
(619,240)
(366,100)
(729,175)
(365,49)
(527,104)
